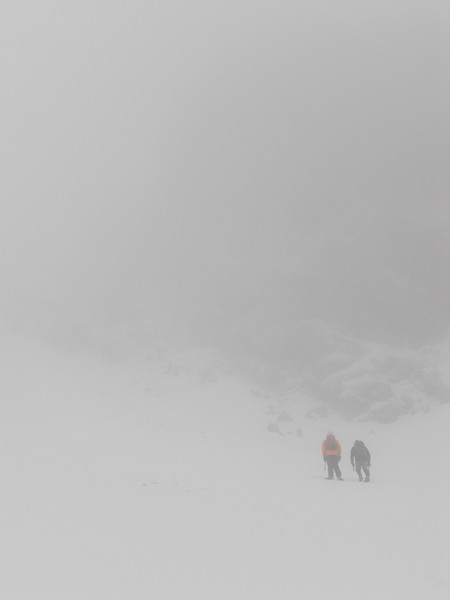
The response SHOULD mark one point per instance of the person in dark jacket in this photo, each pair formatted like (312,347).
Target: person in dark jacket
(360,458)
(331,453)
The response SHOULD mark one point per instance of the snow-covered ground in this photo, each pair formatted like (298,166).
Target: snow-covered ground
(131,482)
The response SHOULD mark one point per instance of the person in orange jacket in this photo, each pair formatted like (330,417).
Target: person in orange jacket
(331,452)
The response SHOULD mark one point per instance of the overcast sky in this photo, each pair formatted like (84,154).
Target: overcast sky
(150,149)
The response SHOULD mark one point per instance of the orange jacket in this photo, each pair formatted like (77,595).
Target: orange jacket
(331,451)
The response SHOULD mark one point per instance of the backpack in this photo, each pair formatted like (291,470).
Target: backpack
(331,443)
(360,451)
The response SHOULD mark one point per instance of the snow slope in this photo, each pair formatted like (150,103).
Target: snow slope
(136,482)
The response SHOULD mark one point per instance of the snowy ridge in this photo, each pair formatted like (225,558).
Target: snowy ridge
(356,378)
(382,383)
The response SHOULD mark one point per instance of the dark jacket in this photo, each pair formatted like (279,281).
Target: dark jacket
(359,453)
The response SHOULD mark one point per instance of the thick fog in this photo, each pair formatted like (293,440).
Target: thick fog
(235,172)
